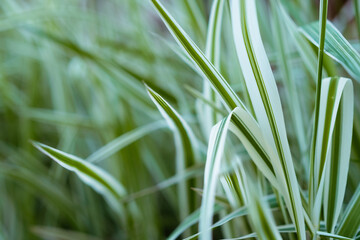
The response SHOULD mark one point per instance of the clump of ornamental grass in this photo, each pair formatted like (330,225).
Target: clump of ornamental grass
(246,126)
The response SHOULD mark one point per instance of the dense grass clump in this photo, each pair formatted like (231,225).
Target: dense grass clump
(132,119)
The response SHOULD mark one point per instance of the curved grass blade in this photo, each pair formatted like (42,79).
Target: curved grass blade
(211,177)
(90,174)
(228,96)
(331,235)
(185,143)
(336,46)
(249,133)
(333,147)
(266,101)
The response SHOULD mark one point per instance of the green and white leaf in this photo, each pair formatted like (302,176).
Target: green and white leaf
(266,102)
(219,84)
(185,143)
(211,177)
(336,46)
(95,177)
(333,145)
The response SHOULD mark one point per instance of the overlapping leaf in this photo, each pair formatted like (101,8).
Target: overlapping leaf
(333,145)
(336,46)
(266,101)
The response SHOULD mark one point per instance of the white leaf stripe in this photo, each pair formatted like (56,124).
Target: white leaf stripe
(230,99)
(266,100)
(213,76)
(176,123)
(336,46)
(79,166)
(212,169)
(333,147)
(90,174)
(243,124)
(214,155)
(185,144)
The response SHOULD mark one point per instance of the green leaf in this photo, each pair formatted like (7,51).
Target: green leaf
(211,177)
(266,102)
(95,177)
(249,133)
(228,96)
(333,146)
(255,142)
(185,143)
(336,46)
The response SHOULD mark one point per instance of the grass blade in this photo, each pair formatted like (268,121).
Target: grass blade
(90,174)
(228,96)
(333,146)
(336,46)
(266,101)
(185,143)
(211,177)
